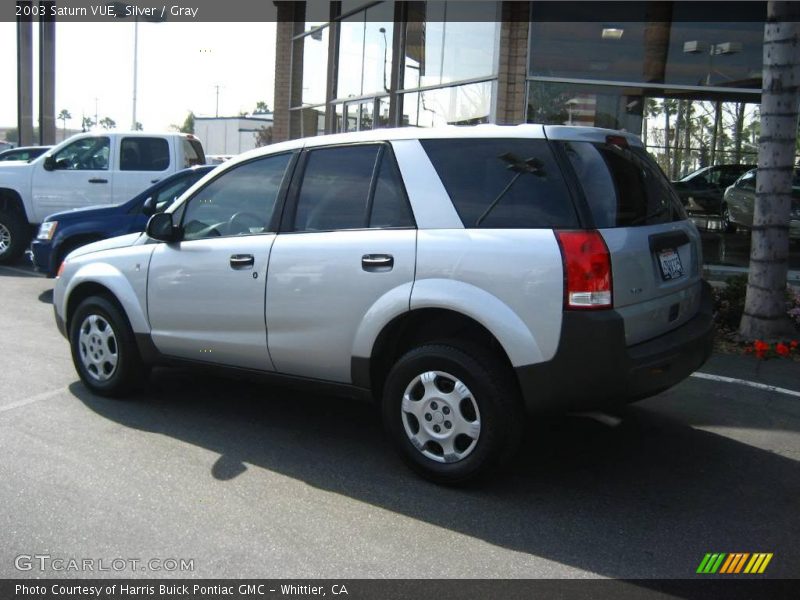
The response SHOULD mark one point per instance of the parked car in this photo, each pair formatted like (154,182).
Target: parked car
(60,233)
(458,276)
(26,153)
(740,201)
(85,170)
(701,191)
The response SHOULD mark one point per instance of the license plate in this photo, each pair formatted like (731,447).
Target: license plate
(670,263)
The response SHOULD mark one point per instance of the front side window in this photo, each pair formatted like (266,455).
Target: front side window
(239,202)
(503,183)
(85,154)
(143,154)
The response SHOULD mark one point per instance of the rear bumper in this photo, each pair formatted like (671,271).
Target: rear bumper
(593,368)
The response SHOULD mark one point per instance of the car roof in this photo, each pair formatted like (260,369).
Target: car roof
(525,130)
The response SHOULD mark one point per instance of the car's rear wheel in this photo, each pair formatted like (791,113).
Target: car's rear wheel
(13,236)
(104,349)
(453,413)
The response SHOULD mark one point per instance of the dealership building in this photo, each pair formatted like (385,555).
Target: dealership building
(685,76)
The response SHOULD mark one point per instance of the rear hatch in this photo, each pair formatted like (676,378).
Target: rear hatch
(655,250)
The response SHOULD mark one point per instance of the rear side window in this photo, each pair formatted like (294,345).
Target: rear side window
(351,187)
(622,186)
(503,183)
(143,154)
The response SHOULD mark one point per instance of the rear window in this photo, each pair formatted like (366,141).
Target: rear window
(622,186)
(503,183)
(144,154)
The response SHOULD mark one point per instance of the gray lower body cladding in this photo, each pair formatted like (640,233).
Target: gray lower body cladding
(593,368)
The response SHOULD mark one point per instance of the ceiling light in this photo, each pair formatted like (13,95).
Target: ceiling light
(612,33)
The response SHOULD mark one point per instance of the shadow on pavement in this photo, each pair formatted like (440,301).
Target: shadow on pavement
(645,499)
(46,296)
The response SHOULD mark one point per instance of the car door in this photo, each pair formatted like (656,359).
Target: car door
(347,240)
(79,176)
(142,162)
(205,293)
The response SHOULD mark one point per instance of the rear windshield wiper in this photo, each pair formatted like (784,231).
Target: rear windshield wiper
(656,213)
(531,166)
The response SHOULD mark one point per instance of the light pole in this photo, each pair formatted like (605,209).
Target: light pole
(119,9)
(698,47)
(135,69)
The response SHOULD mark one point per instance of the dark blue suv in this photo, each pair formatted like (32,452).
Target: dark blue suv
(60,233)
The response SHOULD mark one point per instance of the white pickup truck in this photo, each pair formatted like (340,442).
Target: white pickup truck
(87,169)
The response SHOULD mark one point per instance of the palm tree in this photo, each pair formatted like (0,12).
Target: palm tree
(65,116)
(107,123)
(765,304)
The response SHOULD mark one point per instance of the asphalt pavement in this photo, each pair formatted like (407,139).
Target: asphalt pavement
(247,480)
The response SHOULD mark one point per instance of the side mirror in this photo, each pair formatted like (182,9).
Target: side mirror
(160,227)
(149,206)
(49,163)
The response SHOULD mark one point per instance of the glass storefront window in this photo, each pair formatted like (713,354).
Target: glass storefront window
(312,52)
(360,115)
(648,48)
(365,52)
(442,49)
(458,105)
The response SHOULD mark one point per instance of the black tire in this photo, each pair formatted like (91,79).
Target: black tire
(490,387)
(14,236)
(127,372)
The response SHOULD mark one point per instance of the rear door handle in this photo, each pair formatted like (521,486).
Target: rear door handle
(377,263)
(242,261)
(97,180)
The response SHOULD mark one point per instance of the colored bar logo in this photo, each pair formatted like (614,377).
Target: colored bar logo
(734,563)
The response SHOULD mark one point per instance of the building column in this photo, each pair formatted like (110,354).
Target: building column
(47,76)
(513,63)
(25,82)
(290,22)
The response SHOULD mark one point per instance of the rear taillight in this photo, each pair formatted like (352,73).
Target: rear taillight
(587,270)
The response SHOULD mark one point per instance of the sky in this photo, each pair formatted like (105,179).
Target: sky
(179,65)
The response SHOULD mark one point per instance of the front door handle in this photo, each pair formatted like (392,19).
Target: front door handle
(97,180)
(377,263)
(242,261)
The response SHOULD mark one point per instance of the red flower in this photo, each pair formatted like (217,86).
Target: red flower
(782,349)
(760,346)
(793,344)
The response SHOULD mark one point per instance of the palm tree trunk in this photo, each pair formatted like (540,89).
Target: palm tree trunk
(765,304)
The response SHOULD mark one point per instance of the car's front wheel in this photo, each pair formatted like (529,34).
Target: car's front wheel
(13,236)
(453,413)
(104,349)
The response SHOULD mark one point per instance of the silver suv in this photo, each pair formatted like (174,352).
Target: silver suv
(459,276)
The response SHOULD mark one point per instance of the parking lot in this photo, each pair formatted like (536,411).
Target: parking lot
(245,480)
